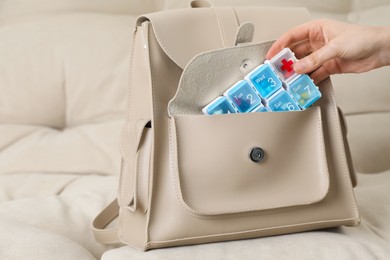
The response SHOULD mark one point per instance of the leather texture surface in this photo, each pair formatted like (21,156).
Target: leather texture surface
(214,175)
(194,195)
(204,78)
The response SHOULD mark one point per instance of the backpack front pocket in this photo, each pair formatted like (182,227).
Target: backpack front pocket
(214,174)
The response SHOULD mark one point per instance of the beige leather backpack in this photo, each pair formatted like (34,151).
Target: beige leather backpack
(187,178)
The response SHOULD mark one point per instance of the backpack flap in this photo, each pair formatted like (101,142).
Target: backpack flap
(215,28)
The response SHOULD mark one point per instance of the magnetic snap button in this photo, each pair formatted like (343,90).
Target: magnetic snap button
(257,154)
(246,66)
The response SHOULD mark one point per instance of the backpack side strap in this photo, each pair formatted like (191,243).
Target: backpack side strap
(99,224)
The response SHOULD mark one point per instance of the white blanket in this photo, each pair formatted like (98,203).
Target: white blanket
(48,216)
(370,240)
(64,68)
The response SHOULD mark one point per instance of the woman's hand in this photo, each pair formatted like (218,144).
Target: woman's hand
(329,47)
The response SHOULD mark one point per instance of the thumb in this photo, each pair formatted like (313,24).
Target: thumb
(315,59)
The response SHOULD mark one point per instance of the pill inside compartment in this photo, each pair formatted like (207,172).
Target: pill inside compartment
(272,86)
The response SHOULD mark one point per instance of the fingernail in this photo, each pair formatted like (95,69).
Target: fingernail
(300,66)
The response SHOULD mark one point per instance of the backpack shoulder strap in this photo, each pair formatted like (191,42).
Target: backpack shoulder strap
(99,224)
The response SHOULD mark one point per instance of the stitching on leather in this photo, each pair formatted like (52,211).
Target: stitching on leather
(138,154)
(236,16)
(245,234)
(120,187)
(272,208)
(323,153)
(121,177)
(155,126)
(129,103)
(220,26)
(147,172)
(346,175)
(173,170)
(162,45)
(181,63)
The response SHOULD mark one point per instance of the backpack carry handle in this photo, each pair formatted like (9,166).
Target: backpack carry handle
(200,4)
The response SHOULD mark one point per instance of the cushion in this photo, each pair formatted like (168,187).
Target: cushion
(64,76)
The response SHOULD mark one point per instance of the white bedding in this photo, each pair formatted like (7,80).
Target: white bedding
(48,217)
(63,81)
(42,214)
(370,240)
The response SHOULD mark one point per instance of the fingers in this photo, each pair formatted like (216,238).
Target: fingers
(302,49)
(292,36)
(320,74)
(316,59)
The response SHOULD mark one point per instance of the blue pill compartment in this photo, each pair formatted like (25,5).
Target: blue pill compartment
(265,80)
(221,105)
(304,91)
(243,96)
(282,101)
(271,86)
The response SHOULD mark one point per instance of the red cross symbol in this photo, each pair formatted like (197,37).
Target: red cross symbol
(287,65)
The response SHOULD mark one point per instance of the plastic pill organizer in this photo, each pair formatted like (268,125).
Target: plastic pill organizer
(272,86)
